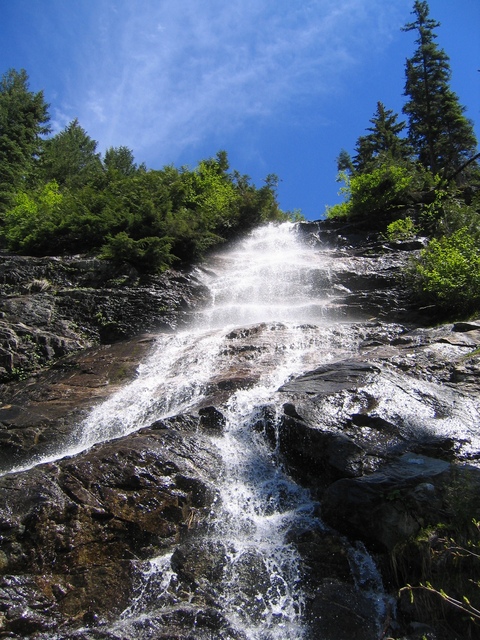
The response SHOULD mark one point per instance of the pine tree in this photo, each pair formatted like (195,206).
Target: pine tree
(70,157)
(23,121)
(120,160)
(383,143)
(441,135)
(344,161)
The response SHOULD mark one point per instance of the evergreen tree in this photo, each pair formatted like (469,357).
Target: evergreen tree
(120,160)
(344,161)
(70,157)
(441,135)
(383,143)
(23,121)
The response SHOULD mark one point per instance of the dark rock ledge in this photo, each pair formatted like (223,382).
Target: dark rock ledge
(75,532)
(53,307)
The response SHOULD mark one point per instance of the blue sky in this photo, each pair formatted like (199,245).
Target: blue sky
(281,85)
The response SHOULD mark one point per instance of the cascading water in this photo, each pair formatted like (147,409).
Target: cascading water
(267,321)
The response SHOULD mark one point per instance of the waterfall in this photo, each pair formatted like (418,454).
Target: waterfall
(269,319)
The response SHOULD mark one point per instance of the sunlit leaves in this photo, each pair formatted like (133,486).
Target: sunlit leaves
(449,271)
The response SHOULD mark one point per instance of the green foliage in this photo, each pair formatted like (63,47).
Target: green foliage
(120,161)
(33,215)
(344,162)
(148,255)
(448,213)
(401,230)
(448,273)
(383,144)
(70,157)
(373,194)
(441,135)
(23,121)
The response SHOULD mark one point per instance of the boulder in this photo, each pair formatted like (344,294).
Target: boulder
(389,506)
(72,531)
(211,419)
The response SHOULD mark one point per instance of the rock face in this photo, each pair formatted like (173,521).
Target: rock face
(379,436)
(52,307)
(342,434)
(74,532)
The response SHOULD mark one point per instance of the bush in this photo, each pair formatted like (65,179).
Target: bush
(148,255)
(373,193)
(449,213)
(32,215)
(402,229)
(448,273)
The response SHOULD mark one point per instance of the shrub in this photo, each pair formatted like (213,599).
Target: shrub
(32,215)
(376,192)
(402,229)
(148,255)
(448,272)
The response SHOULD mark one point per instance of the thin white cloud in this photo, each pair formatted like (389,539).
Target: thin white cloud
(164,75)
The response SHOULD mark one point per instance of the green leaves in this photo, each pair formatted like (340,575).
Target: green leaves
(448,272)
(442,136)
(33,213)
(373,194)
(23,121)
(401,230)
(149,255)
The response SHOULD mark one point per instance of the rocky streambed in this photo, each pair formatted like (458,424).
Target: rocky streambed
(378,425)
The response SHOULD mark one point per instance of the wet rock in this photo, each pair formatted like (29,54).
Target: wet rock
(36,415)
(76,528)
(330,378)
(389,506)
(236,378)
(201,564)
(317,456)
(340,611)
(467,326)
(413,391)
(211,419)
(53,307)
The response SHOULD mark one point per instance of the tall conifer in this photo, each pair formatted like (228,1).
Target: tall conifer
(383,143)
(23,121)
(441,135)
(71,157)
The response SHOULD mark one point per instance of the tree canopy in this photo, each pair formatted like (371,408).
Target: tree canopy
(441,135)
(383,142)
(70,157)
(58,195)
(23,123)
